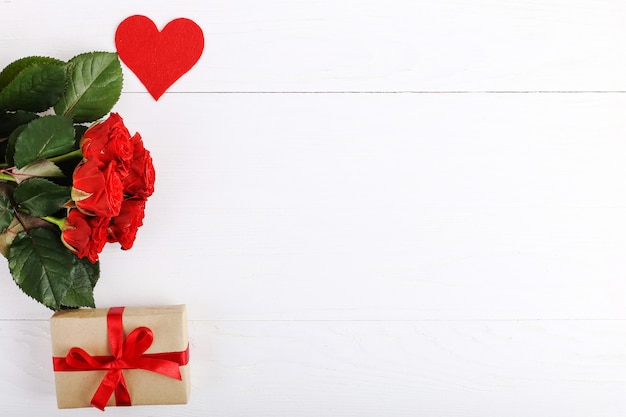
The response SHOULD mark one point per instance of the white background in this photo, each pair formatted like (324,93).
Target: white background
(370,208)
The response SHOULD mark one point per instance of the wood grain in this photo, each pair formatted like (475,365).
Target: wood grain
(355,45)
(445,368)
(334,206)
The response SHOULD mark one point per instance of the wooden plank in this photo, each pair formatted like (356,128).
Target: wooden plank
(355,45)
(458,368)
(390,206)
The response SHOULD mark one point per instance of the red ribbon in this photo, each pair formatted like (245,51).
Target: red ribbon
(127,354)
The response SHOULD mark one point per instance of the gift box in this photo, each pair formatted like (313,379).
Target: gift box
(120,356)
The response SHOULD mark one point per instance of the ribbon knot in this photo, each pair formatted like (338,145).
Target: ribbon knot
(127,353)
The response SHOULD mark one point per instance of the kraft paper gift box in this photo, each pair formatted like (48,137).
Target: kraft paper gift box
(120,356)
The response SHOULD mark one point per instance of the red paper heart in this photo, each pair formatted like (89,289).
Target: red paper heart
(158,59)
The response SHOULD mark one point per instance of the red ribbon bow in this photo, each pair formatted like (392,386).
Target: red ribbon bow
(127,354)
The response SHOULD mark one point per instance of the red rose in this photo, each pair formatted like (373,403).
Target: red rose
(85,235)
(96,191)
(123,228)
(140,180)
(108,141)
(109,190)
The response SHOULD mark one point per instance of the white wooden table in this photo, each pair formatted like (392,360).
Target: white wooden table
(371,208)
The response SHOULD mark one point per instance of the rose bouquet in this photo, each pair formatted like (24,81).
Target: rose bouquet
(71,177)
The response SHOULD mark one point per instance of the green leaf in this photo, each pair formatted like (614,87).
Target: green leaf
(20,223)
(40,264)
(36,88)
(10,71)
(6,213)
(40,168)
(10,152)
(10,121)
(84,276)
(94,84)
(41,197)
(42,138)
